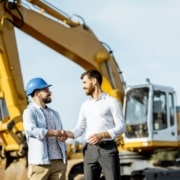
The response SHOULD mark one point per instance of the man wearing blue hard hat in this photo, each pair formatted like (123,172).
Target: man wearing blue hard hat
(44,130)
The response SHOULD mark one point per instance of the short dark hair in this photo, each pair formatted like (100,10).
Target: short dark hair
(92,73)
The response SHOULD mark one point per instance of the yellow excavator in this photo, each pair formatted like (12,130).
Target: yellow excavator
(150,147)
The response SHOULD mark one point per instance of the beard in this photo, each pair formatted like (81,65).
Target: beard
(89,91)
(46,100)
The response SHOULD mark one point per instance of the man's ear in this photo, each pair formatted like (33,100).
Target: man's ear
(36,92)
(94,81)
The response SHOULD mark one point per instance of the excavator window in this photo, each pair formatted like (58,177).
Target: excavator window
(159,110)
(171,109)
(136,112)
(3,109)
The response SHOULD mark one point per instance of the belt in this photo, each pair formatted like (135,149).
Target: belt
(106,142)
(56,160)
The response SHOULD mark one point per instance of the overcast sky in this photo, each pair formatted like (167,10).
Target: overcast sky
(143,34)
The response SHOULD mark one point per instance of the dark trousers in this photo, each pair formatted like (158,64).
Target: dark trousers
(104,158)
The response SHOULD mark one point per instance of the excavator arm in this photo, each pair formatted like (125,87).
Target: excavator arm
(12,96)
(75,41)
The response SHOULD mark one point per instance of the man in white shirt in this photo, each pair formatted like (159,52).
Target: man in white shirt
(102,118)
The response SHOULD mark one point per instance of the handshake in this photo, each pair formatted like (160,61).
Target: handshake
(62,135)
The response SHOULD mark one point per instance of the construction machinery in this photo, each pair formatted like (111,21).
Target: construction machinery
(151,142)
(151,113)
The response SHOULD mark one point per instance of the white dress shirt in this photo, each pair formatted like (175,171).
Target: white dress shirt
(103,114)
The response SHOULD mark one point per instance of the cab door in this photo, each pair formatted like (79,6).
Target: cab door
(164,116)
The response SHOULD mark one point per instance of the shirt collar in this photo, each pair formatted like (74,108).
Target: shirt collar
(102,96)
(38,106)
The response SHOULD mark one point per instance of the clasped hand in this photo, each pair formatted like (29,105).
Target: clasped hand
(94,138)
(61,135)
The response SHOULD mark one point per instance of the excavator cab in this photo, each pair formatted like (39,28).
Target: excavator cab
(151,118)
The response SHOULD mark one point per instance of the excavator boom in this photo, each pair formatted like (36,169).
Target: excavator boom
(73,40)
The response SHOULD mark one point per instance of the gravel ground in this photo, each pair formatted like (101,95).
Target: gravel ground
(16,171)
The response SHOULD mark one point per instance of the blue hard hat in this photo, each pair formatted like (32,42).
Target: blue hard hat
(35,84)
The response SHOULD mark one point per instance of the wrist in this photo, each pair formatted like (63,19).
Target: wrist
(102,135)
(55,132)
